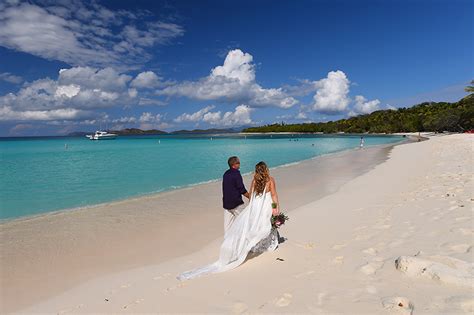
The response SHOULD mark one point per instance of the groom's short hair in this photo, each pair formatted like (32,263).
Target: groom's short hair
(232,160)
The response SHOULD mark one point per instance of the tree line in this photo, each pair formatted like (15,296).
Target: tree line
(428,116)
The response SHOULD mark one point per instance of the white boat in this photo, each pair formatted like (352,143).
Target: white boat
(102,135)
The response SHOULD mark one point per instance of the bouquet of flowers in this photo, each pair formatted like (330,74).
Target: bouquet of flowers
(279,219)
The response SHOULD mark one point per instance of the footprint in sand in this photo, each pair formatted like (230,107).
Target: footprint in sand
(371,289)
(362,227)
(178,286)
(320,298)
(441,269)
(362,237)
(396,243)
(461,248)
(163,276)
(383,227)
(370,251)
(239,307)
(371,268)
(398,304)
(339,260)
(338,246)
(284,300)
(309,245)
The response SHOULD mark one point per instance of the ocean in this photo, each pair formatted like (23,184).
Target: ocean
(44,174)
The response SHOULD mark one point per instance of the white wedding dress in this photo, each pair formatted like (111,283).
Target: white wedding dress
(251,232)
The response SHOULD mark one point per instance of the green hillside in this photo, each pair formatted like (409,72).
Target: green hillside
(429,116)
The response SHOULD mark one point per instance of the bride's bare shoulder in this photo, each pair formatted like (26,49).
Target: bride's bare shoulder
(271,182)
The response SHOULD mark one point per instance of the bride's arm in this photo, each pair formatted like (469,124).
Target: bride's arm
(274,195)
(251,188)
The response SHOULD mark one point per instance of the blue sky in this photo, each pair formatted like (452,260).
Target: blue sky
(73,65)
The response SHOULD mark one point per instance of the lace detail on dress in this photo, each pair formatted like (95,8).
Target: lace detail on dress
(269,243)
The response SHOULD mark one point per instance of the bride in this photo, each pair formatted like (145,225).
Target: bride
(251,231)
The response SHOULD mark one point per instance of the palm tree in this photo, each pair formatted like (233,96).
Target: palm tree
(470,89)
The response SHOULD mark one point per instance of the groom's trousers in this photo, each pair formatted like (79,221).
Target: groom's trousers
(230,215)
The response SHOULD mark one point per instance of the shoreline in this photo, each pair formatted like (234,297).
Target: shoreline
(74,240)
(19,220)
(340,255)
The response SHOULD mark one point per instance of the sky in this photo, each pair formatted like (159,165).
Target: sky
(70,65)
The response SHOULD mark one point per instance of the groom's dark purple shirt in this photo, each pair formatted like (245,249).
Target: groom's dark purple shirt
(232,189)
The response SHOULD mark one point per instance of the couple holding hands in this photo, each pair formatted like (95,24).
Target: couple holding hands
(247,228)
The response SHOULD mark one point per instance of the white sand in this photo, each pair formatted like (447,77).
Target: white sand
(415,208)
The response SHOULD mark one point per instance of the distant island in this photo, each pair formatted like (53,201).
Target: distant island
(136,131)
(428,116)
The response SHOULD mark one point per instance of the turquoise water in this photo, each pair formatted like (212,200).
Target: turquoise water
(40,174)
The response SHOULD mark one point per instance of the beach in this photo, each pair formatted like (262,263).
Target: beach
(386,229)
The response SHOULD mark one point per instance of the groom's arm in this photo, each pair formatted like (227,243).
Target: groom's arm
(241,187)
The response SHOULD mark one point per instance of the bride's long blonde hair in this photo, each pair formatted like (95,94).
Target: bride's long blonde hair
(261,177)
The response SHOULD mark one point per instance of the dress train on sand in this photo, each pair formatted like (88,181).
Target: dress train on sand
(251,232)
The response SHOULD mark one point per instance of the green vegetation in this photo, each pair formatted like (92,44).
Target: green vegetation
(429,116)
(204,131)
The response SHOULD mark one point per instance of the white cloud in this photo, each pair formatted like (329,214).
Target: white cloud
(67,91)
(7,113)
(125,120)
(83,33)
(147,79)
(301,115)
(159,126)
(212,118)
(234,81)
(132,93)
(78,88)
(145,101)
(240,116)
(332,95)
(237,65)
(148,117)
(197,116)
(11,78)
(91,78)
(363,106)
(76,91)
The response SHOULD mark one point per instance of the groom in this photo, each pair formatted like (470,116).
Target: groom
(232,189)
